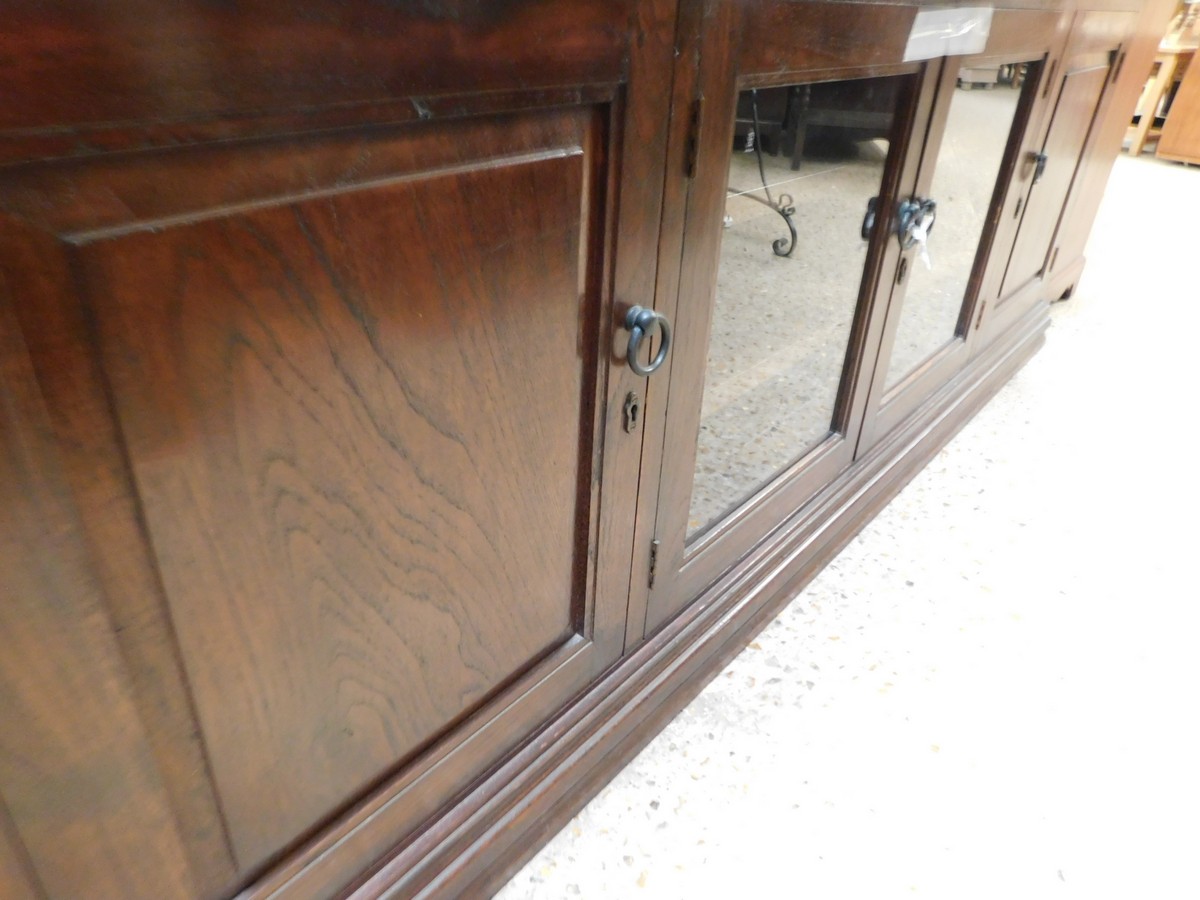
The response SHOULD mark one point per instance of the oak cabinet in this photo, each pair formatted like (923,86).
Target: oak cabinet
(343,548)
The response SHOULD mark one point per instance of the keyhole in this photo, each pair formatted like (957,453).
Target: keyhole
(632,411)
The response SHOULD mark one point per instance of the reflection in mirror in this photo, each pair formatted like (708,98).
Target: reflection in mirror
(981,116)
(806,161)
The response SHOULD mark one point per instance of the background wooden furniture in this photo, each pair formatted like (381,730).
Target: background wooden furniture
(1169,65)
(341,550)
(1181,132)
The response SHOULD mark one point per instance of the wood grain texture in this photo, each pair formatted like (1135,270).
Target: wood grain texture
(528,800)
(72,66)
(319,370)
(780,36)
(161,250)
(58,653)
(377,450)
(58,335)
(1181,133)
(18,875)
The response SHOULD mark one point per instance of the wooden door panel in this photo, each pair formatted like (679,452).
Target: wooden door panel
(359,415)
(58,652)
(1072,120)
(1076,97)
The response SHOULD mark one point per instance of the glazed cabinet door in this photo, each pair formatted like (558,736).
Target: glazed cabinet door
(801,119)
(951,231)
(342,411)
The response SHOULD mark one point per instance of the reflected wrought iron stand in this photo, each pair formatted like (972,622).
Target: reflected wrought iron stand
(785,206)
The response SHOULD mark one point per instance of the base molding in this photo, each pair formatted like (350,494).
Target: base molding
(477,844)
(1061,285)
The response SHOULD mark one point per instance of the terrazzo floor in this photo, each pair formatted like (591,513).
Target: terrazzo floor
(781,325)
(992,691)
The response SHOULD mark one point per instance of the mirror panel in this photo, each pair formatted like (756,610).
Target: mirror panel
(982,112)
(806,162)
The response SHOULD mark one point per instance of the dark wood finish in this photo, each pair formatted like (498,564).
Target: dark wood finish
(76,80)
(1016,36)
(592,741)
(1081,86)
(372,549)
(1074,114)
(1138,49)
(682,571)
(17,875)
(342,490)
(83,809)
(323,547)
(781,39)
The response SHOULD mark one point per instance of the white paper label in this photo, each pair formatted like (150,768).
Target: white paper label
(948,32)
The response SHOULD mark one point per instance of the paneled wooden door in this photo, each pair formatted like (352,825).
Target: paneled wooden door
(343,412)
(786,187)
(1075,96)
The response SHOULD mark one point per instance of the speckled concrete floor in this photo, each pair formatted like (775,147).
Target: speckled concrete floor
(992,692)
(781,325)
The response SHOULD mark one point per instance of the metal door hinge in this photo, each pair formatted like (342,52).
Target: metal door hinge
(653,561)
(693,140)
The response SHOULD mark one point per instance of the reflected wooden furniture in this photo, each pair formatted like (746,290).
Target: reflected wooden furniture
(342,551)
(1180,138)
(1169,67)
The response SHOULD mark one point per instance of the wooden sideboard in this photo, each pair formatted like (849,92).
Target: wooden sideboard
(343,547)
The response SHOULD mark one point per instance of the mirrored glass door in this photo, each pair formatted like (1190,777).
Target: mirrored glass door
(982,110)
(766,394)
(807,161)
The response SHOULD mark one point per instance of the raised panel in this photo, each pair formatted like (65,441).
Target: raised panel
(356,383)
(1073,116)
(82,808)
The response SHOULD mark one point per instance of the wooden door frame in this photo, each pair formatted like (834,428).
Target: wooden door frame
(1097,39)
(740,47)
(1017,36)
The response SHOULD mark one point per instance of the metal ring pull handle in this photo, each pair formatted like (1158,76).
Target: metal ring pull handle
(912,214)
(641,322)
